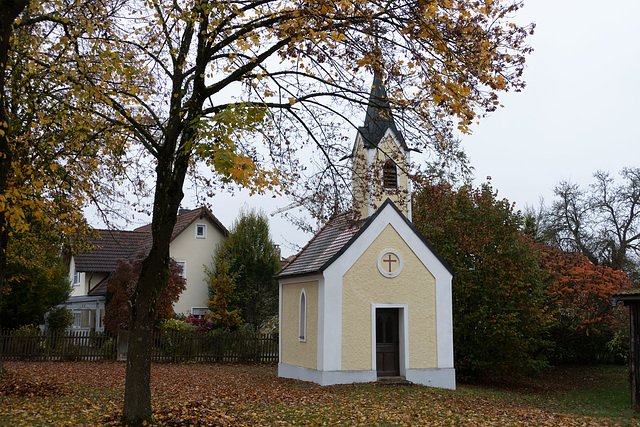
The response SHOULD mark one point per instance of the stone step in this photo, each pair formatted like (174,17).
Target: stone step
(393,381)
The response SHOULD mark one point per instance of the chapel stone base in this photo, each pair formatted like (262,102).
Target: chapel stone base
(439,378)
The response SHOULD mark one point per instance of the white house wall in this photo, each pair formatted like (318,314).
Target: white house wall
(197,254)
(88,281)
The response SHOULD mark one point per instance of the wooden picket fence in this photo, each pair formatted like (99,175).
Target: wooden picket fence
(175,346)
(31,344)
(215,346)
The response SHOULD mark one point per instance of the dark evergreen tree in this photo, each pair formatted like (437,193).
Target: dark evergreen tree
(37,278)
(252,260)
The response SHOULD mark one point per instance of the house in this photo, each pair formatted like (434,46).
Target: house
(194,241)
(368,297)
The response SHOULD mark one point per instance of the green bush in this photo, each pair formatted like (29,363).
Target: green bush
(59,319)
(168,325)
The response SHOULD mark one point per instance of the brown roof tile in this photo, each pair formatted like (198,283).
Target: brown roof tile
(335,238)
(112,245)
(322,247)
(109,247)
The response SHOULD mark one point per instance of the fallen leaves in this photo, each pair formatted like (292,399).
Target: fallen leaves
(27,388)
(202,395)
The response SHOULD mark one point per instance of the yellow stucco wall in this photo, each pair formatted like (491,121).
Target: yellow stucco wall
(293,351)
(88,281)
(360,180)
(364,285)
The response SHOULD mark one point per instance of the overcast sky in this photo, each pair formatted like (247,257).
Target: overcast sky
(578,113)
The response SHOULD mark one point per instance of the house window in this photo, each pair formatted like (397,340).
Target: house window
(201,231)
(302,326)
(76,278)
(183,264)
(199,312)
(389,175)
(81,319)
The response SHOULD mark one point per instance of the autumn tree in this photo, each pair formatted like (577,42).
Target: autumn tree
(122,284)
(57,150)
(602,222)
(250,260)
(37,277)
(583,322)
(241,85)
(221,286)
(498,296)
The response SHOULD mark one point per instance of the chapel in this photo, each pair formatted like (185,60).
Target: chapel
(368,297)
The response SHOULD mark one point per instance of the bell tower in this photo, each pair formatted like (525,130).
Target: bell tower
(380,158)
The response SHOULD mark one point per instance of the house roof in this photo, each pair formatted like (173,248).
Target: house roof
(186,218)
(109,247)
(112,245)
(379,117)
(335,238)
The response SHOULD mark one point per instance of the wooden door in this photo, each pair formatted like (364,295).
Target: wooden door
(387,348)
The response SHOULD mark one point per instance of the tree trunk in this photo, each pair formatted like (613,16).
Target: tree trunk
(9,12)
(154,275)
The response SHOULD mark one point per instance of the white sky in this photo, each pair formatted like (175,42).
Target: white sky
(579,111)
(577,114)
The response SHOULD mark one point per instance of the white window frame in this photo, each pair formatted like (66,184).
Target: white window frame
(199,312)
(77,319)
(302,317)
(184,269)
(76,278)
(202,227)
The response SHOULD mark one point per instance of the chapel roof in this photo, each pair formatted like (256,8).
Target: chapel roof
(335,238)
(112,245)
(379,117)
(323,247)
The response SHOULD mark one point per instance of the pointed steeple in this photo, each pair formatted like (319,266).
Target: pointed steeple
(380,158)
(379,116)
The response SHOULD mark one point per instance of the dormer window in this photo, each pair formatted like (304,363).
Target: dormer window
(201,231)
(389,175)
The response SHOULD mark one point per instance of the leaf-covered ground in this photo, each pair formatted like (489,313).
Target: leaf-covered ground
(90,393)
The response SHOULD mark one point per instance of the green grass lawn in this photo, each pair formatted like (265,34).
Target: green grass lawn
(593,391)
(84,393)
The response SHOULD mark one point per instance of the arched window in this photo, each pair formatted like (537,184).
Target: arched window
(389,175)
(302,325)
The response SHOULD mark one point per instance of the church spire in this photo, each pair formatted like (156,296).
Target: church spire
(379,117)
(380,157)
